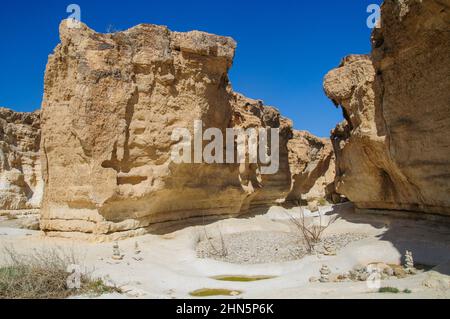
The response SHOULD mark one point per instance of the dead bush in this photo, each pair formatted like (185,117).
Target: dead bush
(311,233)
(44,275)
(221,248)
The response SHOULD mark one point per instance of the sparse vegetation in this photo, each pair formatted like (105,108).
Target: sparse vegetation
(96,287)
(322,201)
(407,291)
(44,275)
(393,290)
(311,233)
(221,250)
(390,290)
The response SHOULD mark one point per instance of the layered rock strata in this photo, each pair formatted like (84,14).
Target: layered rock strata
(312,165)
(21,184)
(111,105)
(393,148)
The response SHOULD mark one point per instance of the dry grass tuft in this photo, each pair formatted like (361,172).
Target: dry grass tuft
(44,275)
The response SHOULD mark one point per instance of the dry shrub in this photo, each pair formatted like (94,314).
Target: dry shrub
(311,233)
(43,275)
(221,249)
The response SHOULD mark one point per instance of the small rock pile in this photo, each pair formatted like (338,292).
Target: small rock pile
(325,273)
(363,273)
(116,252)
(409,263)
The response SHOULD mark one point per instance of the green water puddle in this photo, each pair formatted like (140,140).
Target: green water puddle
(242,278)
(207,292)
(212,292)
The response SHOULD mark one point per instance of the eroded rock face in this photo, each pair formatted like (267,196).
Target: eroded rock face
(270,188)
(393,149)
(111,104)
(21,183)
(312,166)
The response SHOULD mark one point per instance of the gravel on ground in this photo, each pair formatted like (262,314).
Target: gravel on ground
(266,247)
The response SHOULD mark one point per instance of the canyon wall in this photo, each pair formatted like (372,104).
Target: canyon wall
(21,185)
(312,165)
(393,148)
(111,104)
(264,189)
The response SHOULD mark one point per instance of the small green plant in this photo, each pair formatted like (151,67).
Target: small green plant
(97,287)
(322,201)
(393,290)
(390,290)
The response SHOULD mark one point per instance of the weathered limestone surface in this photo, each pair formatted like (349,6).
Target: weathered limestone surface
(263,189)
(393,148)
(312,165)
(110,106)
(21,184)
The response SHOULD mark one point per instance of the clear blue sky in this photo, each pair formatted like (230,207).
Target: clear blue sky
(284,47)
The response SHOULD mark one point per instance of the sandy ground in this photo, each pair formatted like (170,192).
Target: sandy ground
(168,266)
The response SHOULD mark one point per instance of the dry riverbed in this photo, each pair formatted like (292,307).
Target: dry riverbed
(263,257)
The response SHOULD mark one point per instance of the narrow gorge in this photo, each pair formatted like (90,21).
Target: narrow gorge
(103,137)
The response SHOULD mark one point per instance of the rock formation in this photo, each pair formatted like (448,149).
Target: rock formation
(111,104)
(393,148)
(21,184)
(263,189)
(312,165)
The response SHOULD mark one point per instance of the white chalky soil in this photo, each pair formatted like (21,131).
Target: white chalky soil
(173,265)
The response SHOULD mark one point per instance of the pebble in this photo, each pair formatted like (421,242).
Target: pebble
(268,247)
(253,248)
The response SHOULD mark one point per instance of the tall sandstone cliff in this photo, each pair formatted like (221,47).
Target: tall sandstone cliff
(110,106)
(393,148)
(312,165)
(21,185)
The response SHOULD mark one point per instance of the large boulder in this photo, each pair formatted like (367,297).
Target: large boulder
(393,148)
(111,105)
(21,185)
